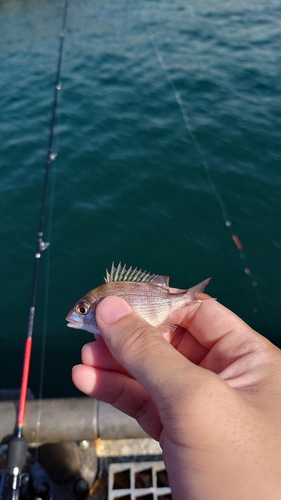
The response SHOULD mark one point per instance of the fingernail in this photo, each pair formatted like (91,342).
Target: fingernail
(111,309)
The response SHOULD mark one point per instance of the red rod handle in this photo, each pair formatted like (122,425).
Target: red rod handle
(24,383)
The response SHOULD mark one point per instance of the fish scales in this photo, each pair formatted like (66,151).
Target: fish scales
(148,294)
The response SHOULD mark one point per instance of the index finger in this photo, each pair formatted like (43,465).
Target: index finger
(209,321)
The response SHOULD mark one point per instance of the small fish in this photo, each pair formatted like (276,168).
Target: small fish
(148,294)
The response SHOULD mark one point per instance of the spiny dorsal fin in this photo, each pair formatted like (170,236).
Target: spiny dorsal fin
(120,273)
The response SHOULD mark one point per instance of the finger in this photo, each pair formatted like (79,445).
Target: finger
(228,339)
(209,321)
(188,345)
(98,355)
(124,393)
(141,349)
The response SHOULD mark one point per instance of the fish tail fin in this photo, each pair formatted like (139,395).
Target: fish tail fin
(195,291)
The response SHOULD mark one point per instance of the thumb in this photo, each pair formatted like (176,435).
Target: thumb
(140,348)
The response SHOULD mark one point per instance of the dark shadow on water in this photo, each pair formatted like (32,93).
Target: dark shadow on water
(57,382)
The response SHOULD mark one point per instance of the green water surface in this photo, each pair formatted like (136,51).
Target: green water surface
(168,126)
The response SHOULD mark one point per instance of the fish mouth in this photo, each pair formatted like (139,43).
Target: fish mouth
(74,325)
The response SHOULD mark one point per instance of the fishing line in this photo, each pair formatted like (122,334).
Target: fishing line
(225,216)
(18,445)
(47,276)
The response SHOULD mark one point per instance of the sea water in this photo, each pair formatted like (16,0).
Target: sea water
(168,141)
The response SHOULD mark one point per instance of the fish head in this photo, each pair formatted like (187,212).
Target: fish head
(83,316)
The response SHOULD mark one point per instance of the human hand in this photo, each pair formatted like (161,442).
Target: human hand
(212,396)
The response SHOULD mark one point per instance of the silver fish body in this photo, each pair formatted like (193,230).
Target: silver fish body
(148,294)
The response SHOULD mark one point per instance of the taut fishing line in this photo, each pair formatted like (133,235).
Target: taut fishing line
(17,447)
(47,276)
(226,219)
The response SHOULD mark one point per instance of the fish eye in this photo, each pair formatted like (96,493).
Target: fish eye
(82,308)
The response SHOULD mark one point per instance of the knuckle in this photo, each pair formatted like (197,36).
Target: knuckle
(135,338)
(144,408)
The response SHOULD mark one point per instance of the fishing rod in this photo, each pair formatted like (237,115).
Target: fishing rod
(17,447)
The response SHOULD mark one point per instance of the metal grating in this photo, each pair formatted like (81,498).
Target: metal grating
(138,481)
